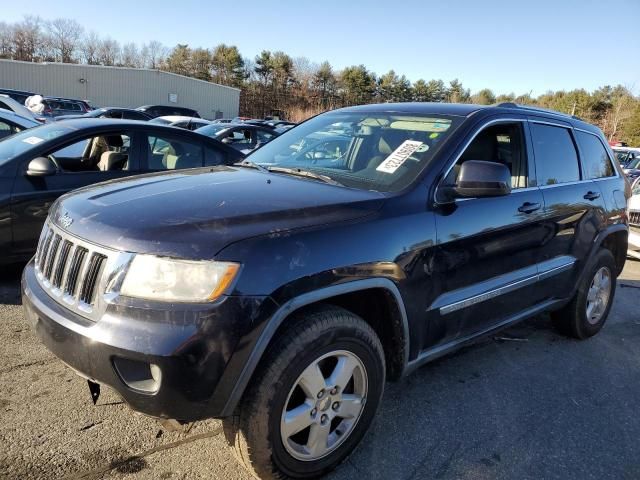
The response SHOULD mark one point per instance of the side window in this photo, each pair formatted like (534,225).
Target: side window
(240,136)
(213,157)
(556,156)
(165,153)
(105,153)
(6,130)
(502,143)
(264,137)
(595,159)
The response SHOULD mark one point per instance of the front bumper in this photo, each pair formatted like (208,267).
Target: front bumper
(190,345)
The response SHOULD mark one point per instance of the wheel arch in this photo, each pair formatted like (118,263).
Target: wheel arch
(615,239)
(345,295)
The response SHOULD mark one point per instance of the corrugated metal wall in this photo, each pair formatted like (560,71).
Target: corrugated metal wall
(119,87)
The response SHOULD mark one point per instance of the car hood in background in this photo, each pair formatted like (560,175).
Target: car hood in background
(195,213)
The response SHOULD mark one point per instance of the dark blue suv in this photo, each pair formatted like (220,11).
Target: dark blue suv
(281,292)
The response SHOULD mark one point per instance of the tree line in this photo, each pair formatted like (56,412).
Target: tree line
(274,83)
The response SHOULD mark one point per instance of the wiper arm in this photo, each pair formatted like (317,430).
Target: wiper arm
(250,164)
(298,172)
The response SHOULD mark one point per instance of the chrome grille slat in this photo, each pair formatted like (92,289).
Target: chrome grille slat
(87,291)
(75,272)
(51,256)
(45,250)
(61,263)
(634,218)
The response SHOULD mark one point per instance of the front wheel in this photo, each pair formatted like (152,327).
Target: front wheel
(312,399)
(587,312)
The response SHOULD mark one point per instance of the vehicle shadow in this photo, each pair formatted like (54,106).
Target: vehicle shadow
(10,284)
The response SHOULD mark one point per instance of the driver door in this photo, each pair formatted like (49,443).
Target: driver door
(488,248)
(78,166)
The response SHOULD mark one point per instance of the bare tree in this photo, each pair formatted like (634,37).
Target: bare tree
(130,56)
(28,39)
(108,52)
(65,36)
(89,48)
(622,106)
(154,54)
(6,40)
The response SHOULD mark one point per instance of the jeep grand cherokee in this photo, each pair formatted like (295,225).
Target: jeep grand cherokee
(281,292)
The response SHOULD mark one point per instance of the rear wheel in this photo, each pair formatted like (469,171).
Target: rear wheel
(312,399)
(587,312)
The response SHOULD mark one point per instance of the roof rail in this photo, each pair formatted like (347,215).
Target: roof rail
(536,109)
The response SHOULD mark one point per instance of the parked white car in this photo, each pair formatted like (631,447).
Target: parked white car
(634,222)
(8,103)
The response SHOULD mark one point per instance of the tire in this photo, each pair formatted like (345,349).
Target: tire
(573,320)
(335,340)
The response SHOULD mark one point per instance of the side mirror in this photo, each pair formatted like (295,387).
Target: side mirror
(41,167)
(478,178)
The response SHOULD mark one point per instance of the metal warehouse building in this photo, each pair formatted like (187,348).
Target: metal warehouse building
(120,87)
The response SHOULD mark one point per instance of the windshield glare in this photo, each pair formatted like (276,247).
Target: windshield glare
(635,163)
(212,130)
(372,151)
(16,144)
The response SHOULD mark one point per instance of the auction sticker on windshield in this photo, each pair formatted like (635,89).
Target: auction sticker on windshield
(399,156)
(33,140)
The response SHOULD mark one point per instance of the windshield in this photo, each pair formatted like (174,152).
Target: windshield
(372,151)
(96,113)
(212,130)
(160,120)
(13,146)
(635,163)
(622,157)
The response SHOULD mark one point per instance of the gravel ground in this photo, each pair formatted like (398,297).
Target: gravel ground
(534,405)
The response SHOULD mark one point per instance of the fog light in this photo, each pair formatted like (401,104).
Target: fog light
(141,376)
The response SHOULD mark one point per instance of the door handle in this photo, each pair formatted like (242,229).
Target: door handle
(591,196)
(528,207)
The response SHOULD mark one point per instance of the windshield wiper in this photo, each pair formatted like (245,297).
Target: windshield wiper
(304,173)
(250,164)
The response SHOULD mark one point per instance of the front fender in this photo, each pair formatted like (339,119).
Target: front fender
(237,380)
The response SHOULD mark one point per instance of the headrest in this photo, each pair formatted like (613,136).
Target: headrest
(114,140)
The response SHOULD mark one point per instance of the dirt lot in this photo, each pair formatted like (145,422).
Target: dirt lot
(535,405)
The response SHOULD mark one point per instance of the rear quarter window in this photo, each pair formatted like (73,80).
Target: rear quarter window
(595,159)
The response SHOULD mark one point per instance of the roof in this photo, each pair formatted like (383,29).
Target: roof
(460,109)
(11,115)
(467,109)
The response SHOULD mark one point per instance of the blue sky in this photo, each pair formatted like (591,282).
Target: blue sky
(505,45)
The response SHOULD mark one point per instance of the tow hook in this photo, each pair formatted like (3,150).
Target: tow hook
(94,389)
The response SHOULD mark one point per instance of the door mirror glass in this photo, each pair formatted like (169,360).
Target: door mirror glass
(41,167)
(479,178)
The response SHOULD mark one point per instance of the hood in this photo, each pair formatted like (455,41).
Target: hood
(195,213)
(634,203)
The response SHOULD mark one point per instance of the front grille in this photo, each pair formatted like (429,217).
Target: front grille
(634,218)
(71,270)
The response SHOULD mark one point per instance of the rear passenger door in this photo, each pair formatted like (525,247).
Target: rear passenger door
(598,165)
(574,205)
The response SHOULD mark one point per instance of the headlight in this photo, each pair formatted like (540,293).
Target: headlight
(166,279)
